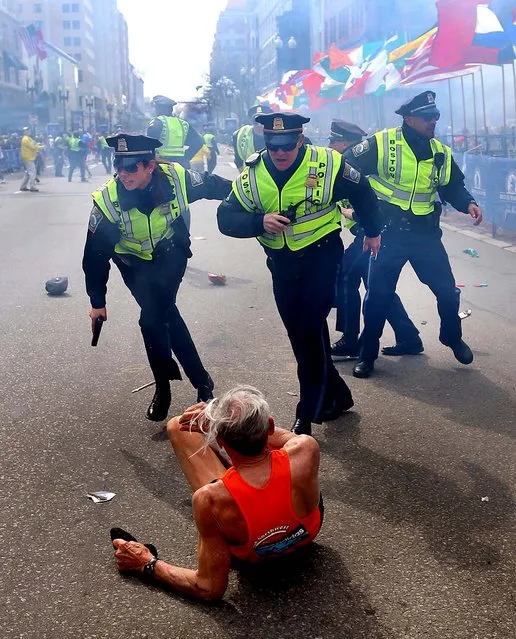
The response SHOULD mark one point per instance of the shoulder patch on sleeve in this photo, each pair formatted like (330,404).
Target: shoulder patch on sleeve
(195,177)
(253,159)
(95,219)
(360,148)
(350,173)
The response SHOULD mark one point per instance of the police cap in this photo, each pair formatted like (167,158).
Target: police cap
(422,104)
(341,130)
(57,285)
(281,128)
(132,148)
(162,100)
(259,109)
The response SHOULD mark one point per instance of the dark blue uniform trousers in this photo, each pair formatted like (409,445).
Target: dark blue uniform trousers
(304,288)
(427,255)
(353,270)
(154,286)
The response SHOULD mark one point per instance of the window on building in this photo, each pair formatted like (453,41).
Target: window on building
(76,24)
(75,7)
(38,7)
(67,24)
(79,75)
(77,56)
(66,8)
(77,42)
(20,8)
(67,42)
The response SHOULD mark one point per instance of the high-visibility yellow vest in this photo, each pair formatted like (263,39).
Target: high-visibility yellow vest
(245,141)
(209,140)
(173,136)
(141,233)
(103,142)
(314,178)
(402,180)
(73,143)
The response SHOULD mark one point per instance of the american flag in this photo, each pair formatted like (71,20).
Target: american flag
(32,38)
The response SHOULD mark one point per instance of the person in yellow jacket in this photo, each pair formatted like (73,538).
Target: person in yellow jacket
(180,141)
(408,169)
(29,150)
(137,222)
(287,197)
(249,138)
(197,162)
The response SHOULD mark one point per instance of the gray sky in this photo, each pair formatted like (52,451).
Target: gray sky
(170,42)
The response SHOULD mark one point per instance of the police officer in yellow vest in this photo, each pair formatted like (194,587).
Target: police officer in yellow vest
(106,153)
(180,141)
(249,138)
(286,197)
(354,271)
(408,168)
(137,222)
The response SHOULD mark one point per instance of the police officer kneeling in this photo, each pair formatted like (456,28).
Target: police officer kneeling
(138,222)
(287,196)
(408,167)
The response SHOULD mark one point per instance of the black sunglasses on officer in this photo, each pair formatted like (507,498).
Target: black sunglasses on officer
(273,146)
(128,168)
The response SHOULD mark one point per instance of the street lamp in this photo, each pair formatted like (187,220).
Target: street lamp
(89,102)
(292,43)
(109,107)
(63,95)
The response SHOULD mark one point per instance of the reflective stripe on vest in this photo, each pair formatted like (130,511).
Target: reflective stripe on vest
(245,141)
(173,136)
(256,190)
(402,180)
(141,233)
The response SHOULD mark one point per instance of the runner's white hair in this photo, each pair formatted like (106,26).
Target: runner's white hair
(240,416)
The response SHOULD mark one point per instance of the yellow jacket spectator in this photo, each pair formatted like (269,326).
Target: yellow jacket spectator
(29,148)
(197,162)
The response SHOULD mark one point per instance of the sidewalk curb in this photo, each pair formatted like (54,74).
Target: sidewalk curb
(503,244)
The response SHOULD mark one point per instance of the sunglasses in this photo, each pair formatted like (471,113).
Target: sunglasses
(128,168)
(428,117)
(281,147)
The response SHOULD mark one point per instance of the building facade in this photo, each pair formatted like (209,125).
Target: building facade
(14,99)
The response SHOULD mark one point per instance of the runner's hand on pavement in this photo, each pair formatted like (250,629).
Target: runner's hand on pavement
(131,555)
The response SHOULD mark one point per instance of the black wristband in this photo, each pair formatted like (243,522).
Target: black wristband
(148,569)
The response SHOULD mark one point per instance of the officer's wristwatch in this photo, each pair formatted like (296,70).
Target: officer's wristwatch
(148,569)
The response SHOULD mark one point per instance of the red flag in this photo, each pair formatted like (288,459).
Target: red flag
(453,44)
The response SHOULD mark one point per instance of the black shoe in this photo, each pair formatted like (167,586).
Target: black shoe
(158,408)
(340,350)
(462,352)
(334,410)
(363,369)
(404,348)
(120,533)
(205,392)
(24,188)
(301,427)
(37,180)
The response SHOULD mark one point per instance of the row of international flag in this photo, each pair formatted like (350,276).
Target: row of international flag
(468,33)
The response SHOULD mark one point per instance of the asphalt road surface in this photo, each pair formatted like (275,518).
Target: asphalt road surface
(419,479)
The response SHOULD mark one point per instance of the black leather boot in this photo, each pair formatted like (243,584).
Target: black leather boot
(205,392)
(404,348)
(462,352)
(363,369)
(301,427)
(158,408)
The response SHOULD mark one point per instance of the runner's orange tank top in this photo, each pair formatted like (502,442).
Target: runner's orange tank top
(272,525)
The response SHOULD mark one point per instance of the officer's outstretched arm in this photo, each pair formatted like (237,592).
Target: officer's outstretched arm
(206,186)
(351,184)
(235,221)
(100,242)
